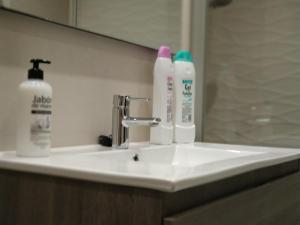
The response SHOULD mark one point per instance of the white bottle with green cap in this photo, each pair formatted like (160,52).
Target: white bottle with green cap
(184,131)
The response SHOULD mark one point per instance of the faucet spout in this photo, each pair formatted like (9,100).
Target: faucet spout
(121,120)
(140,121)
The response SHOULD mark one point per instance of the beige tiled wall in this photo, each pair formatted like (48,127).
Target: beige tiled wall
(54,10)
(149,23)
(86,71)
(253,73)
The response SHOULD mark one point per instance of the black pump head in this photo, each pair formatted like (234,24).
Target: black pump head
(36,72)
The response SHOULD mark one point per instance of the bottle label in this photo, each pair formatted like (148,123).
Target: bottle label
(40,127)
(169,98)
(187,101)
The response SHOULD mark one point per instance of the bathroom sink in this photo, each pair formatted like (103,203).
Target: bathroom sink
(189,156)
(166,168)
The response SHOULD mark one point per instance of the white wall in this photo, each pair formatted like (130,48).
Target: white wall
(86,71)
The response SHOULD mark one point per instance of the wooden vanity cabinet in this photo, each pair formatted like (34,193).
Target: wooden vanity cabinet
(268,196)
(274,203)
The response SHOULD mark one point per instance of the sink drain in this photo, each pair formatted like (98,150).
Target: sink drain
(136,158)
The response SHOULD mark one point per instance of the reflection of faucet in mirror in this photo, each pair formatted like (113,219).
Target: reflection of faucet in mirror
(121,120)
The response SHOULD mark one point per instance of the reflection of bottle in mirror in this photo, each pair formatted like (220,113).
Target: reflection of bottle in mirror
(184,130)
(163,97)
(34,114)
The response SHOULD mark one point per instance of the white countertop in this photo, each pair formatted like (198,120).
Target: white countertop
(164,168)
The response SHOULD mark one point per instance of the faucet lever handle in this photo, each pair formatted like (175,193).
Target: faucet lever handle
(138,98)
(124,100)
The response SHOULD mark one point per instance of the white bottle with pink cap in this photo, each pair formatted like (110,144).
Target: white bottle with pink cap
(163,98)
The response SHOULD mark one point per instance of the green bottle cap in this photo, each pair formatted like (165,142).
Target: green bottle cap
(184,56)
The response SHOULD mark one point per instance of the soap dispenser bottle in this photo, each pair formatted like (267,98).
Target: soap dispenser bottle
(185,98)
(163,98)
(34,114)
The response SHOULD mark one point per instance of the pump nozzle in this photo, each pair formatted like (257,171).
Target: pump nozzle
(36,62)
(36,72)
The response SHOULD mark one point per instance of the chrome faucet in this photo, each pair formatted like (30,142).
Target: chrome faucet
(121,120)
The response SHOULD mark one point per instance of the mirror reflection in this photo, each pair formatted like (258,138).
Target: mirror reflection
(143,22)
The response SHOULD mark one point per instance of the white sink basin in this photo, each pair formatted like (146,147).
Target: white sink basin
(166,168)
(175,155)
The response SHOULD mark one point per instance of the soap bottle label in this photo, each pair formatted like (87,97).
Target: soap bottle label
(40,127)
(169,98)
(187,100)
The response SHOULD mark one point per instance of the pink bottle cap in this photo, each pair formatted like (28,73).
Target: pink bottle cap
(164,52)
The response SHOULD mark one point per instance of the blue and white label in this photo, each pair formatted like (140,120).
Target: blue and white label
(187,101)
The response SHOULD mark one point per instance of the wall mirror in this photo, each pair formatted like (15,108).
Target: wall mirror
(143,22)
